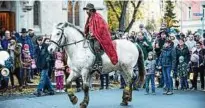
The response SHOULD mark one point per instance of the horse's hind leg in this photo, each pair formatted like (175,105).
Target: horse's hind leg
(69,88)
(86,78)
(127,92)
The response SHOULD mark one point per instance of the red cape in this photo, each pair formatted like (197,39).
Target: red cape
(99,29)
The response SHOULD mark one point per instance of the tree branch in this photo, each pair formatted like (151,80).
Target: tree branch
(112,7)
(134,14)
(133,3)
(121,4)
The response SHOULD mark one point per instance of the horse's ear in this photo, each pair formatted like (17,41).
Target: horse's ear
(65,24)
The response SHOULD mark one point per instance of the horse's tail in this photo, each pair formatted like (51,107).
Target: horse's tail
(141,68)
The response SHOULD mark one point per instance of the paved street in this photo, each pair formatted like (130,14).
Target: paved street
(111,99)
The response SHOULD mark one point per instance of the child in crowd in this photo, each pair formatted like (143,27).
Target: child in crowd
(59,71)
(27,63)
(182,71)
(193,65)
(150,65)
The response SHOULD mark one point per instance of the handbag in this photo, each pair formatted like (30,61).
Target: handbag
(191,76)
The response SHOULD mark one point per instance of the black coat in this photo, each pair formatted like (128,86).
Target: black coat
(182,52)
(42,57)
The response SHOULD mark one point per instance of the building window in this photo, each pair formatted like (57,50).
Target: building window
(3,4)
(70,12)
(77,19)
(36,13)
(189,12)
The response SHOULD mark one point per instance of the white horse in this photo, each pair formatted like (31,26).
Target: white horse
(80,59)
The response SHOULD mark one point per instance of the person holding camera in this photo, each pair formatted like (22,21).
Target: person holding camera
(144,44)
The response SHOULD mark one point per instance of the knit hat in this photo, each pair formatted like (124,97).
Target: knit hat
(181,58)
(150,53)
(26,47)
(194,58)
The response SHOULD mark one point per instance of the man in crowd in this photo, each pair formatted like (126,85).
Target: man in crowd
(181,50)
(6,40)
(158,46)
(43,66)
(200,68)
(144,44)
(25,39)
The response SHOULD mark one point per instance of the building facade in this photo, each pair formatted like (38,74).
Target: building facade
(190,13)
(42,15)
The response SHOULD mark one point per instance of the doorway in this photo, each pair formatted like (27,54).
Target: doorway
(7,20)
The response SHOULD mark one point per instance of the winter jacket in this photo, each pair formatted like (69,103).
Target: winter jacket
(145,49)
(4,44)
(182,52)
(182,69)
(43,57)
(150,66)
(168,58)
(17,53)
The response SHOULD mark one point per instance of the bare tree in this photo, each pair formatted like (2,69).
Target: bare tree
(121,16)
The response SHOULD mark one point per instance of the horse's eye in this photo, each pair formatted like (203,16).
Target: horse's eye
(58,33)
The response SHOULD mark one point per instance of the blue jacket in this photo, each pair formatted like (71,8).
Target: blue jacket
(4,44)
(27,40)
(168,58)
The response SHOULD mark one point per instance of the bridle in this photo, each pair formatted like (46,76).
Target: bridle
(61,38)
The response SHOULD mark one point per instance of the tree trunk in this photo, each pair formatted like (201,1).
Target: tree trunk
(123,16)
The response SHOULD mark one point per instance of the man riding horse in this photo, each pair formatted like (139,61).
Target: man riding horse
(96,30)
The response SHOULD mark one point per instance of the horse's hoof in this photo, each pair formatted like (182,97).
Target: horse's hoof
(83,105)
(74,100)
(129,99)
(123,103)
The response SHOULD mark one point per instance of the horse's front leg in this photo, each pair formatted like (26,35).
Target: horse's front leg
(69,88)
(85,77)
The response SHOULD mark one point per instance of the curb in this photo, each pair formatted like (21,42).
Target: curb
(54,85)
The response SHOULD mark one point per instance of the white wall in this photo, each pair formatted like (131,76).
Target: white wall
(51,14)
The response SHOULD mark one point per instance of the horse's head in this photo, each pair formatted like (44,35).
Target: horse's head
(64,34)
(57,38)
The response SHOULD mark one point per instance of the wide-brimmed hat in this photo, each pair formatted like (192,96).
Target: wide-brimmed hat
(23,30)
(89,6)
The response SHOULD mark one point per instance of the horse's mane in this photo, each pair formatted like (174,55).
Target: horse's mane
(66,24)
